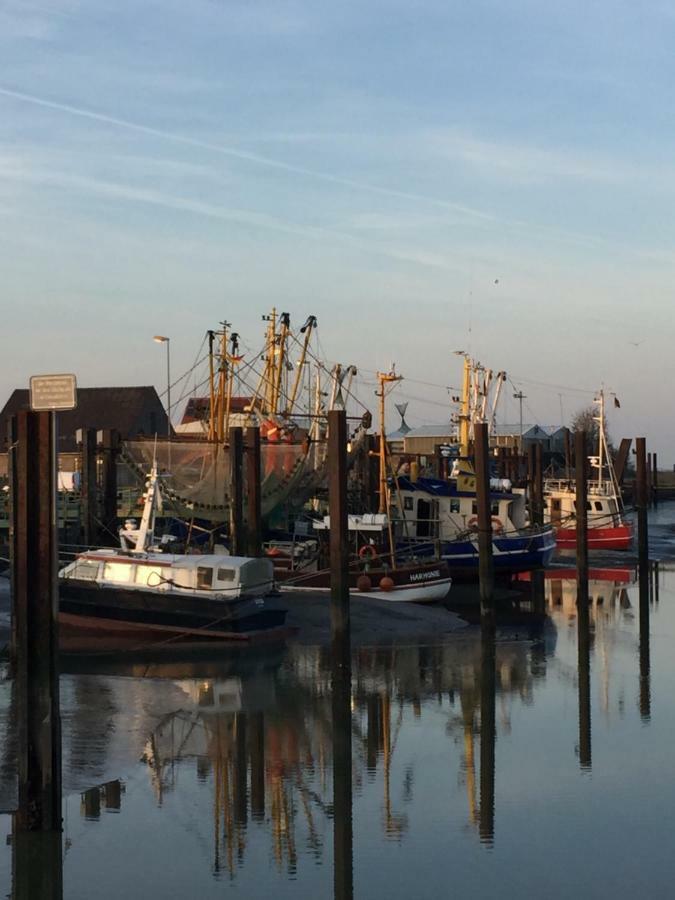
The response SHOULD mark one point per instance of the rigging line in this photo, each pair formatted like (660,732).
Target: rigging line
(321,363)
(555,387)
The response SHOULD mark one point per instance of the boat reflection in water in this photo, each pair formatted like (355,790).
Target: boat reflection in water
(288,747)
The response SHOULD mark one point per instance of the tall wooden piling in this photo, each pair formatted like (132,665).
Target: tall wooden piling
(88,486)
(237,535)
(655,480)
(108,445)
(622,455)
(641,505)
(339,532)
(488,735)
(568,454)
(650,492)
(253,492)
(485,562)
(581,515)
(33,542)
(538,492)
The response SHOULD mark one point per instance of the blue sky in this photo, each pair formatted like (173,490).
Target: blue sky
(423,177)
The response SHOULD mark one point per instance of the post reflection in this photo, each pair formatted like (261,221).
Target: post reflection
(646,587)
(488,734)
(584,678)
(37,865)
(341,681)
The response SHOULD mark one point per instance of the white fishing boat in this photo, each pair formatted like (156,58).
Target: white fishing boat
(139,586)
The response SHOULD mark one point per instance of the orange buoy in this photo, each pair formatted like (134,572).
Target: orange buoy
(363,583)
(386,583)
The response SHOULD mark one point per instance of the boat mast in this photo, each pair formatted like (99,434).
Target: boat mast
(279,361)
(212,390)
(464,415)
(306,329)
(222,381)
(601,437)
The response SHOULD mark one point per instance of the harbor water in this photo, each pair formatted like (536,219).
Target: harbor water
(527,766)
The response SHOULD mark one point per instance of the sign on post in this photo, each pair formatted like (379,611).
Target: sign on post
(53,392)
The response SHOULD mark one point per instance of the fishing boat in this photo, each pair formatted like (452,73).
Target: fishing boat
(377,568)
(608,528)
(440,515)
(140,587)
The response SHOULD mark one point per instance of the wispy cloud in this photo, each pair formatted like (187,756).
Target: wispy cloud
(245,156)
(127,193)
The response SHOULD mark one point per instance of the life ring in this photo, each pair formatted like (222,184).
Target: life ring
(497,524)
(368,551)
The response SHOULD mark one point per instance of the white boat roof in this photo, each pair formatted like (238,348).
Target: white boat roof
(184,561)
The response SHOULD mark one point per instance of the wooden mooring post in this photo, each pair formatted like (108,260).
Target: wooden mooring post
(343,887)
(641,505)
(581,515)
(339,532)
(655,480)
(485,561)
(86,439)
(253,493)
(108,446)
(237,535)
(33,542)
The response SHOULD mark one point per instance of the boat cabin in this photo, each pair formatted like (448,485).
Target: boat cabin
(209,576)
(433,509)
(603,507)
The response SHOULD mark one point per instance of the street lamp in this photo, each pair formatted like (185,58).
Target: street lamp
(161,339)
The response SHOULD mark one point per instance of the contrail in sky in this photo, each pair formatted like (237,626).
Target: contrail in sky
(241,154)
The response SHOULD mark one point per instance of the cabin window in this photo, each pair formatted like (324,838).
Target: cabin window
(423,518)
(598,505)
(204,577)
(117,572)
(86,570)
(226,574)
(589,506)
(474,508)
(454,506)
(407,503)
(494,508)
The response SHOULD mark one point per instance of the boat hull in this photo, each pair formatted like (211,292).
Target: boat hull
(510,554)
(146,609)
(421,583)
(619,537)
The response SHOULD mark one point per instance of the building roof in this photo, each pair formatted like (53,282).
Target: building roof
(529,430)
(444,430)
(197,409)
(129,410)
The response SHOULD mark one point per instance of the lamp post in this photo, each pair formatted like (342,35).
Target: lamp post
(161,339)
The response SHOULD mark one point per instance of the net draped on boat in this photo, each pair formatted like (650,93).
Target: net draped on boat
(198,479)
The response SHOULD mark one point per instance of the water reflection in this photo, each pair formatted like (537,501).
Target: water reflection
(268,762)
